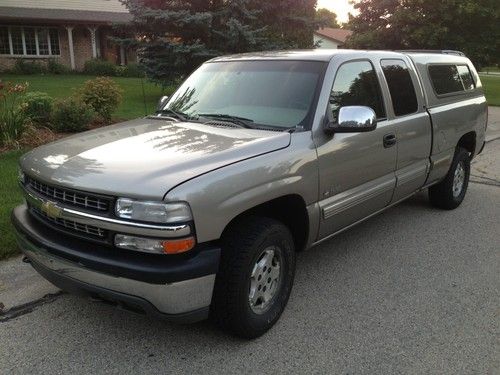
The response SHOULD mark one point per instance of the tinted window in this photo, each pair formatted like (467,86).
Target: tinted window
(466,77)
(445,79)
(274,93)
(356,84)
(404,99)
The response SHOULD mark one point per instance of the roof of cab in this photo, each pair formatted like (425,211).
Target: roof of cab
(307,55)
(327,54)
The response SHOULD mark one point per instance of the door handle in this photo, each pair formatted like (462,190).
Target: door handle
(389,140)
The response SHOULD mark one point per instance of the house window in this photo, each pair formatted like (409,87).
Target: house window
(29,41)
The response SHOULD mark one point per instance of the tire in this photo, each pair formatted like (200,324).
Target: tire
(253,240)
(449,193)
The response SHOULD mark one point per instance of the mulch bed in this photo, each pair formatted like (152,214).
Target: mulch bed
(35,136)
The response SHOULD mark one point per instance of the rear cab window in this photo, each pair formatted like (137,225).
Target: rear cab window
(451,78)
(401,88)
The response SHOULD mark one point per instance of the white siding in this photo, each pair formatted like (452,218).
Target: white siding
(325,43)
(102,5)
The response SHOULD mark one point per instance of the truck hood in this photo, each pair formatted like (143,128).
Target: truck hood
(145,158)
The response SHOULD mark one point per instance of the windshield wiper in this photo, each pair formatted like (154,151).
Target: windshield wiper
(246,122)
(172,113)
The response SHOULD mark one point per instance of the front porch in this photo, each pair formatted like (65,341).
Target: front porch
(70,44)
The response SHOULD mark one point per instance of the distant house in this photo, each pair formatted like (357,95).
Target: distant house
(329,38)
(70,31)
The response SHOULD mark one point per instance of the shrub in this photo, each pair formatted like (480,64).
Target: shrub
(38,106)
(28,67)
(103,95)
(55,67)
(13,119)
(71,115)
(97,67)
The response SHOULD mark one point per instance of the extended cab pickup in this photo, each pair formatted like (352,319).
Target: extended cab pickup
(199,209)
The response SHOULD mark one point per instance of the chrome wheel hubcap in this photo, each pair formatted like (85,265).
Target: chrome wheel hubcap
(265,280)
(458,180)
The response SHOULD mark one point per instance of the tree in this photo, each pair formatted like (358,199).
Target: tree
(173,37)
(470,26)
(289,23)
(327,18)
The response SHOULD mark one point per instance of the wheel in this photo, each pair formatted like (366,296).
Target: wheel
(450,192)
(255,276)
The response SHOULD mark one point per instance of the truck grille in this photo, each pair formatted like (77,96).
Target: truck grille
(70,197)
(70,226)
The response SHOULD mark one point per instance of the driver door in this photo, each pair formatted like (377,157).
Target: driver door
(356,170)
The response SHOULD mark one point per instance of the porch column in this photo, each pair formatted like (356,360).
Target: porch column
(71,49)
(93,31)
(122,55)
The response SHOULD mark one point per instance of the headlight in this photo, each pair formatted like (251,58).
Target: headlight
(152,245)
(156,212)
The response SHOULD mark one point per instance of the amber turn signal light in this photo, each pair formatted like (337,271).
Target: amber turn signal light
(178,246)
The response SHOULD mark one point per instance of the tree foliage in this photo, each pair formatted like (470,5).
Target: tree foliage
(174,36)
(327,18)
(471,26)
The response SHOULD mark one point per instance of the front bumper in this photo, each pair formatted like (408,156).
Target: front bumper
(175,288)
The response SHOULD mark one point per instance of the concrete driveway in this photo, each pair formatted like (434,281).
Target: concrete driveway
(413,290)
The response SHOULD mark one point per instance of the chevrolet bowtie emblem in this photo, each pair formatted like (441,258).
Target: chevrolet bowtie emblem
(51,209)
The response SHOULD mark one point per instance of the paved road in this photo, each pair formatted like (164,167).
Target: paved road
(414,290)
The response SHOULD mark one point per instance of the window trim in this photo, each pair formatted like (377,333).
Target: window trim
(385,118)
(454,93)
(24,54)
(389,90)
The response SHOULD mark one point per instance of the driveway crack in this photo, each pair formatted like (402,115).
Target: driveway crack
(27,308)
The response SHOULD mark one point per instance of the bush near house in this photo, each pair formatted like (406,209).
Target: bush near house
(38,106)
(71,115)
(103,95)
(99,68)
(28,67)
(13,119)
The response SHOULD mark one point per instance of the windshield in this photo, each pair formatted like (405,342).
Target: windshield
(270,93)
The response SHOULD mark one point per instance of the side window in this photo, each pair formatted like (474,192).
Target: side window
(356,84)
(445,79)
(404,99)
(466,77)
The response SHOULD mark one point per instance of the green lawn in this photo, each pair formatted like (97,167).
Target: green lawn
(491,86)
(132,106)
(10,196)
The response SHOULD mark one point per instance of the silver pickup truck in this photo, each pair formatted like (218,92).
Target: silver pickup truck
(199,210)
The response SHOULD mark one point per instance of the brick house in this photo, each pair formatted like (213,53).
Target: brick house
(330,38)
(70,31)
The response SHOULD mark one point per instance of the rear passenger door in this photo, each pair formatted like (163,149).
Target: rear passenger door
(412,128)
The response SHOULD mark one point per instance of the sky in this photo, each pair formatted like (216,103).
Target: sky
(341,7)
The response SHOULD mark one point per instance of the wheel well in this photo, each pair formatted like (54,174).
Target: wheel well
(290,210)
(468,141)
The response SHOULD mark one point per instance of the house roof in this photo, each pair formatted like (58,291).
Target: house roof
(101,11)
(337,35)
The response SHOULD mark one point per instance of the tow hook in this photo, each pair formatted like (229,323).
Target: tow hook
(26,260)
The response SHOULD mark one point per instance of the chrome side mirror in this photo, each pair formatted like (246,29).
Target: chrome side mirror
(161,102)
(353,119)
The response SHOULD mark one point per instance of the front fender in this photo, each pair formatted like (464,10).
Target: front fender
(217,197)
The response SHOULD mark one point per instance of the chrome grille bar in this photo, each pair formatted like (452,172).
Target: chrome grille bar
(71,225)
(87,201)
